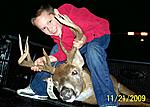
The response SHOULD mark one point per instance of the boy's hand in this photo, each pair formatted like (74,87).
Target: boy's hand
(64,19)
(79,43)
(42,61)
(39,61)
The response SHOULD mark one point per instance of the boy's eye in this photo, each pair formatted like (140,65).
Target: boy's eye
(43,28)
(49,21)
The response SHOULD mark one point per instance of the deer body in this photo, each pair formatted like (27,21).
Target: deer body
(78,84)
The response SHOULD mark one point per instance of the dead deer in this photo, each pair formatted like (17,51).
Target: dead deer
(72,81)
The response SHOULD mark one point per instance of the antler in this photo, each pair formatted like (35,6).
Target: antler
(25,59)
(78,35)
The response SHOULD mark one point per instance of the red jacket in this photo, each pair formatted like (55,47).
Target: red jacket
(91,25)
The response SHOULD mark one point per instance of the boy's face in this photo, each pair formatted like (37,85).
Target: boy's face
(48,24)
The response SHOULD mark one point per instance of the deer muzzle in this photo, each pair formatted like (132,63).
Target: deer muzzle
(67,94)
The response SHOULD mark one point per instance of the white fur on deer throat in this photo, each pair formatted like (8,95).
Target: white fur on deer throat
(50,91)
(85,94)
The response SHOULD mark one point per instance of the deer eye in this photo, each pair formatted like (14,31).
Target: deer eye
(74,72)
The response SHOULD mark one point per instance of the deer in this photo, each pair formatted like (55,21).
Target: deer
(71,79)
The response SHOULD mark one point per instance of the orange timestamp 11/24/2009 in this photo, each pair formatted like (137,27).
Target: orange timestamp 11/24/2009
(126,98)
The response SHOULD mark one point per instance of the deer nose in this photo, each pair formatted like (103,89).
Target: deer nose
(66,93)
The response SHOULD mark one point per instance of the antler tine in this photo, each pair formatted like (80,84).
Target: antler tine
(46,57)
(48,64)
(20,45)
(29,63)
(78,35)
(69,57)
(26,51)
(63,48)
(26,45)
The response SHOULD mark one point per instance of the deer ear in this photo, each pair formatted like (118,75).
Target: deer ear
(78,60)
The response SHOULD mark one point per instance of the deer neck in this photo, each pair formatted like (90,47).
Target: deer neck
(87,90)
(86,80)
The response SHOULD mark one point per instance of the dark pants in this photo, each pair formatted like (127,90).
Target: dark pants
(95,56)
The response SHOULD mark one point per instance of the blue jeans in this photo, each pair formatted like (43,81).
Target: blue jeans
(95,57)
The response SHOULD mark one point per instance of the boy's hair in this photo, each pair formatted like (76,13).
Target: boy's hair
(43,7)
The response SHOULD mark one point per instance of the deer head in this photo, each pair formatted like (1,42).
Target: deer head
(68,78)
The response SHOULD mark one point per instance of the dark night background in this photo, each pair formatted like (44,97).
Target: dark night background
(123,16)
(128,56)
